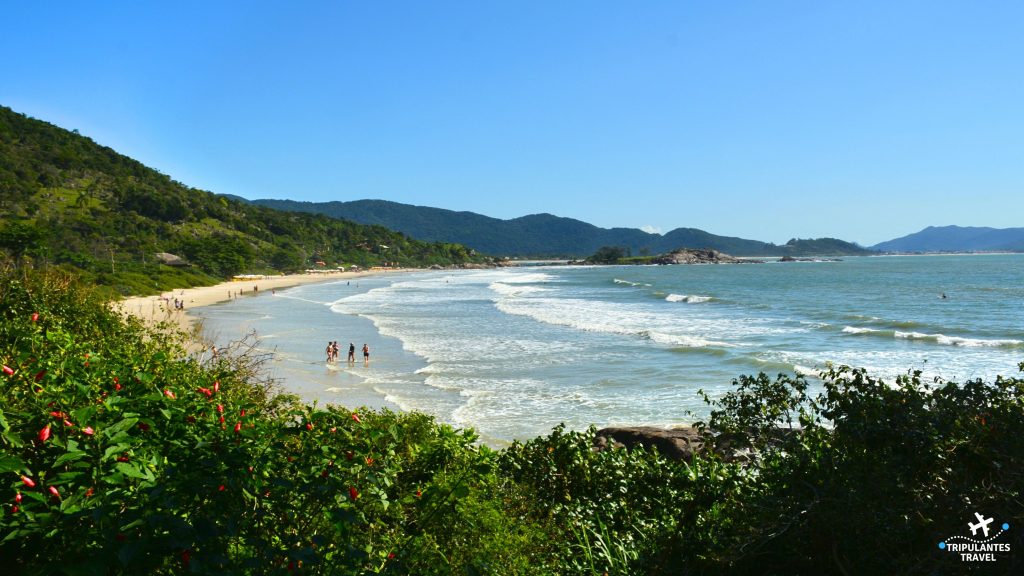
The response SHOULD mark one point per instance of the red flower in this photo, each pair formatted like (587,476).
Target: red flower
(68,424)
(222,419)
(90,492)
(238,427)
(44,434)
(40,374)
(53,491)
(220,408)
(88,431)
(14,509)
(123,459)
(242,412)
(353,493)
(369,461)
(221,488)
(348,454)
(333,430)
(216,385)
(117,386)
(35,316)
(8,370)
(169,394)
(28,482)
(58,415)
(309,425)
(143,426)
(206,391)
(419,493)
(391,555)
(356,418)
(17,497)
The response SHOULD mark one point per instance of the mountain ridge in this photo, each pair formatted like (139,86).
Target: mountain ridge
(547,235)
(66,200)
(954,238)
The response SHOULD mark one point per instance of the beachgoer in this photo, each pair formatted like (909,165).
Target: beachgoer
(366,355)
(330,351)
(334,350)
(351,353)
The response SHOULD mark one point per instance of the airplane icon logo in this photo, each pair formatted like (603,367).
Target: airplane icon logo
(982,523)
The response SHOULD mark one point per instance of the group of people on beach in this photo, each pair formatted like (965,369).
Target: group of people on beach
(333,349)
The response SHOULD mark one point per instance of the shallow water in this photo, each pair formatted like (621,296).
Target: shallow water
(513,352)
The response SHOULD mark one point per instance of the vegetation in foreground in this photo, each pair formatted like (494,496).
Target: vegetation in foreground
(119,454)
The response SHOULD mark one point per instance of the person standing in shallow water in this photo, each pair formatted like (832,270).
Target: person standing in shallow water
(351,353)
(334,351)
(330,352)
(366,355)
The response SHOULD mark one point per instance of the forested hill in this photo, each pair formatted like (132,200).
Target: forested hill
(67,200)
(541,235)
(958,239)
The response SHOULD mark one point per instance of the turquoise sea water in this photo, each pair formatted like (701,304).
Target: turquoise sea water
(514,352)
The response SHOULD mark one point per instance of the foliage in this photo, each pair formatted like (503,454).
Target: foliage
(66,200)
(608,255)
(121,453)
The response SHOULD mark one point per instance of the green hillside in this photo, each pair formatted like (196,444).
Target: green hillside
(68,201)
(545,235)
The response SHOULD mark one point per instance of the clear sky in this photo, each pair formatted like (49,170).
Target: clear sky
(766,120)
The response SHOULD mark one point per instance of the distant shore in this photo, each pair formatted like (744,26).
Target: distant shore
(153,310)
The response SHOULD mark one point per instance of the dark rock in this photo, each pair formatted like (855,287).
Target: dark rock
(698,256)
(675,443)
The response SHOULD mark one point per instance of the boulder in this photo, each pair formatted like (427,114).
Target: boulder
(697,256)
(673,443)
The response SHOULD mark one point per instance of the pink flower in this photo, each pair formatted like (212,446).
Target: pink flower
(44,434)
(88,431)
(28,482)
(356,418)
(169,394)
(8,370)
(53,491)
(353,493)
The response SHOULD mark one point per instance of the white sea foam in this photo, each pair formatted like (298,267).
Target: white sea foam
(938,338)
(629,283)
(688,298)
(506,289)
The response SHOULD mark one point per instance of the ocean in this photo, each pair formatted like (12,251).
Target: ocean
(513,352)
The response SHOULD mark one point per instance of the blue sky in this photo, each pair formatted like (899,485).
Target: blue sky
(764,120)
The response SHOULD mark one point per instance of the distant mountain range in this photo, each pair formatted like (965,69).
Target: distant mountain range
(957,239)
(545,235)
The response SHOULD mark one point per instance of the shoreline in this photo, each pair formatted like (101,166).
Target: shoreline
(158,309)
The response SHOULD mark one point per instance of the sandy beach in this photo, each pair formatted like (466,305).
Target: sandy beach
(156,309)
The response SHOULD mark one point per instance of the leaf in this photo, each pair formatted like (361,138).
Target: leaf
(11,464)
(130,471)
(69,457)
(120,426)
